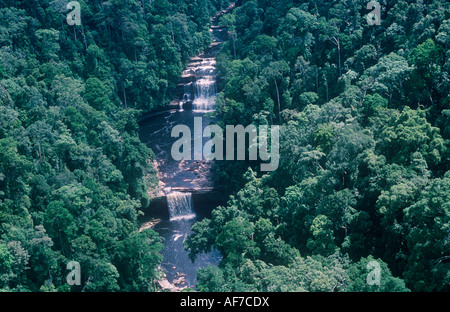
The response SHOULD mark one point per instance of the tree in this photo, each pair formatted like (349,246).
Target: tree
(359,273)
(47,40)
(274,250)
(104,277)
(138,257)
(296,34)
(229,20)
(340,209)
(60,224)
(236,241)
(407,132)
(13,27)
(388,76)
(210,279)
(98,95)
(323,239)
(426,59)
(443,37)
(428,220)
(274,73)
(6,262)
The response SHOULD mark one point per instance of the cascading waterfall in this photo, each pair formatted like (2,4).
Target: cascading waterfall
(187,92)
(180,206)
(204,84)
(199,84)
(205,94)
(196,95)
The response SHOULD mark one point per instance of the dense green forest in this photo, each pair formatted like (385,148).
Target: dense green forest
(73,172)
(364,166)
(364,148)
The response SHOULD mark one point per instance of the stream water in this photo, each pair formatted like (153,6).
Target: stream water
(198,100)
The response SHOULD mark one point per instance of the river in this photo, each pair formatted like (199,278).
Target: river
(180,209)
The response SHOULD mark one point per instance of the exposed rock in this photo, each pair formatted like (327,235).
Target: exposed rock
(149,224)
(166,285)
(179,281)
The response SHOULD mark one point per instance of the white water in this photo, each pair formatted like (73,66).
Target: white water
(199,92)
(180,206)
(202,90)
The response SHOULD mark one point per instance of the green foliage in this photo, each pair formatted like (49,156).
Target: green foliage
(322,241)
(210,279)
(358,272)
(363,175)
(364,149)
(73,172)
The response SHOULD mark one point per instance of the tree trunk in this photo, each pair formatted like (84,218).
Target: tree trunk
(84,37)
(171,30)
(233,36)
(278,99)
(40,154)
(339,57)
(336,41)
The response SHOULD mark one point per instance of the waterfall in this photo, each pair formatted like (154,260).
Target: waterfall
(205,89)
(187,97)
(180,206)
